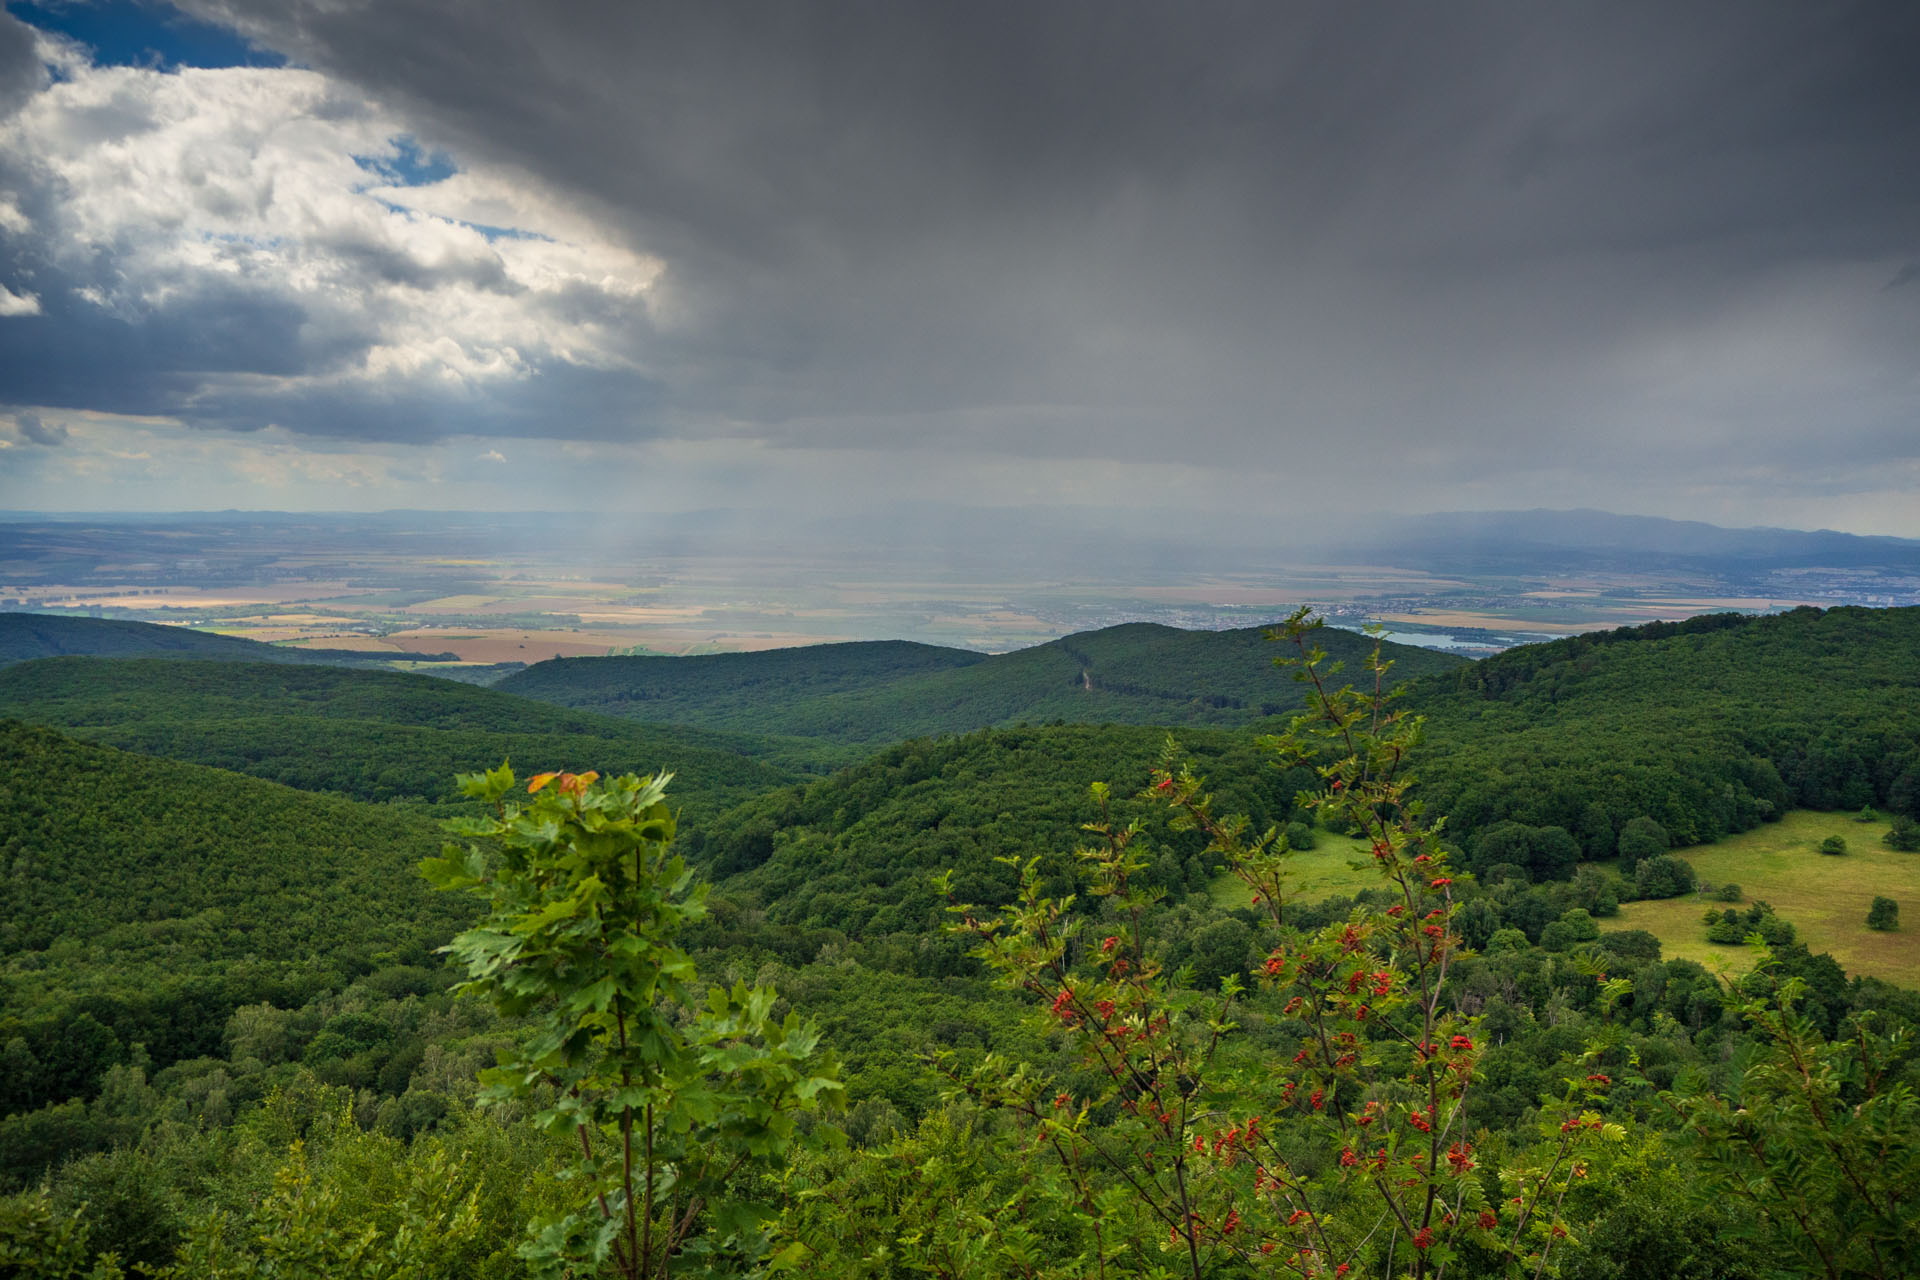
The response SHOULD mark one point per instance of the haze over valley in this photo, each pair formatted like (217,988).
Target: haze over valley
(491,589)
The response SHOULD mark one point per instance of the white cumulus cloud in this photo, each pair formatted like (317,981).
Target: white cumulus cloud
(248,221)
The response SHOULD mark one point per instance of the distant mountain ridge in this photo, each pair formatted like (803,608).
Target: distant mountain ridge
(1588,537)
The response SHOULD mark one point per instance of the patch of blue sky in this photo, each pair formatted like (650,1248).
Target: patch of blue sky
(142,33)
(503,233)
(408,164)
(489,231)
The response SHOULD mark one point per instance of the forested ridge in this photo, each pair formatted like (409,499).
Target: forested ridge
(201,968)
(1136,673)
(373,735)
(1707,726)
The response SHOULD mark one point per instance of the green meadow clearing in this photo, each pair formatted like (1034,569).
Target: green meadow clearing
(1323,871)
(1825,897)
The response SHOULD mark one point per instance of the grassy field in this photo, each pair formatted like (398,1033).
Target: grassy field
(1824,897)
(1320,872)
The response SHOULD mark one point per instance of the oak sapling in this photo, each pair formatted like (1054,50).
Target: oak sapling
(674,1094)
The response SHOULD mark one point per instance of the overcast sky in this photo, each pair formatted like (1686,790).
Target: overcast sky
(1285,259)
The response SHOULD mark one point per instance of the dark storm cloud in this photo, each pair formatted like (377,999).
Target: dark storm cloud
(1393,220)
(1628,239)
(20,72)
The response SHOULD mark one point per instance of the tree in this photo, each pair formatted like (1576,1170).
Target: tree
(1597,837)
(1903,835)
(1555,853)
(672,1093)
(37,1242)
(1640,839)
(1598,891)
(1884,914)
(1547,853)
(1509,843)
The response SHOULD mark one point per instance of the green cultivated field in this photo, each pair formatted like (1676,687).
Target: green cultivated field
(1825,897)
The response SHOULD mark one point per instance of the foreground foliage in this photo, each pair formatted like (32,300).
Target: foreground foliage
(1822,1137)
(1354,1154)
(673,1099)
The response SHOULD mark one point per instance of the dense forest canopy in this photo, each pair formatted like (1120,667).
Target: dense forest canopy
(147,900)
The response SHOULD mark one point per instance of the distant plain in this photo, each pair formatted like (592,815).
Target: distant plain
(489,595)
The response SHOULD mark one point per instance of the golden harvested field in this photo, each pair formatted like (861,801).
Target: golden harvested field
(1824,897)
(131,597)
(520,644)
(516,644)
(1483,621)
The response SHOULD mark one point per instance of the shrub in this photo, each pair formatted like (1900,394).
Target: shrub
(1904,835)
(1729,893)
(1884,914)
(1728,929)
(1300,836)
(1664,876)
(1833,844)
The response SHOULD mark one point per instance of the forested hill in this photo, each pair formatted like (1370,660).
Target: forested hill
(1137,673)
(1707,726)
(147,899)
(26,636)
(727,690)
(373,735)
